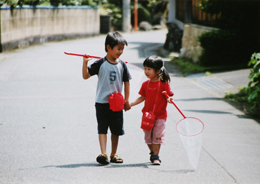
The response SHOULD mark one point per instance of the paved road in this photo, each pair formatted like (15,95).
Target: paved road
(48,128)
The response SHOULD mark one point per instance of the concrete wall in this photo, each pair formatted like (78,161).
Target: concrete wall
(191,48)
(26,26)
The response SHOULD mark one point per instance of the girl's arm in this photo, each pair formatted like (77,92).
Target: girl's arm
(85,72)
(137,101)
(127,94)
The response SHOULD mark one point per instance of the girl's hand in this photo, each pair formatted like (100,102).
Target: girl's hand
(127,106)
(169,100)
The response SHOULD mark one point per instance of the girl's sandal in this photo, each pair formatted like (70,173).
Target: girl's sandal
(103,159)
(151,154)
(155,160)
(116,159)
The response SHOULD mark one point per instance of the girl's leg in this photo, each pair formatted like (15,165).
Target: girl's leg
(150,146)
(156,148)
(155,156)
(103,142)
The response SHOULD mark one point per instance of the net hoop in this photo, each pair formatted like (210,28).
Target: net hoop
(199,132)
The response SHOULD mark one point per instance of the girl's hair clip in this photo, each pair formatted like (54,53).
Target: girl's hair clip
(162,68)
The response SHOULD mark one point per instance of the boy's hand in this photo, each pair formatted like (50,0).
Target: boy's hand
(85,72)
(86,59)
(127,106)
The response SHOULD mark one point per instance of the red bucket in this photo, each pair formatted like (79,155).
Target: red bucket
(116,102)
(147,121)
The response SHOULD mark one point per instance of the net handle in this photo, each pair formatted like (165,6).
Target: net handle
(96,57)
(82,55)
(167,96)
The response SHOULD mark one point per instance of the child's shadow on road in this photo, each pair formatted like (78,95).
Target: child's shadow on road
(146,165)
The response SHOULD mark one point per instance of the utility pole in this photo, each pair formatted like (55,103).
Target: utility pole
(126,16)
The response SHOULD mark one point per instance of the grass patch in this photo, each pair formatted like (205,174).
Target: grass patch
(187,67)
(237,97)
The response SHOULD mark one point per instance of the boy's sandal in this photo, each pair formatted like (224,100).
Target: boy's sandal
(103,159)
(155,160)
(116,159)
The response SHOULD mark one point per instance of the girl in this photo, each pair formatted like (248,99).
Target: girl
(155,101)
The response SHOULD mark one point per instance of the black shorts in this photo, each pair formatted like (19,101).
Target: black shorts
(108,118)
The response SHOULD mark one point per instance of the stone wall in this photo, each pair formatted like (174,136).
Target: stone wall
(191,48)
(26,26)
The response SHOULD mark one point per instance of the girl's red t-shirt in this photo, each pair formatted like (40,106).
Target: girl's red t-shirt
(155,101)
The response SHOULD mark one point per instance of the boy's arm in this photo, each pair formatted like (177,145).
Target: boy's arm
(137,101)
(127,94)
(85,72)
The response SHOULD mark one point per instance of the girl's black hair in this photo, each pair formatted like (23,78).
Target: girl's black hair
(156,63)
(113,39)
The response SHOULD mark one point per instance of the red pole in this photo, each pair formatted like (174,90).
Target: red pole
(136,16)
(167,96)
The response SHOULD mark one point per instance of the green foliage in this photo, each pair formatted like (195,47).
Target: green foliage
(253,88)
(89,2)
(11,3)
(234,14)
(237,37)
(14,3)
(251,93)
(187,67)
(116,14)
(220,47)
(238,97)
(28,2)
(149,11)
(55,2)
(143,15)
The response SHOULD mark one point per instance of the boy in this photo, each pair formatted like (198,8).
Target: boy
(112,74)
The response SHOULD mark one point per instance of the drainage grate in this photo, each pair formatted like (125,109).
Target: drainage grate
(209,82)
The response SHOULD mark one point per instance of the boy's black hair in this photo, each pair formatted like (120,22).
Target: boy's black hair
(156,63)
(113,39)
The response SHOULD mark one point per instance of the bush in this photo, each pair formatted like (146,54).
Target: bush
(250,95)
(253,88)
(238,36)
(116,15)
(222,47)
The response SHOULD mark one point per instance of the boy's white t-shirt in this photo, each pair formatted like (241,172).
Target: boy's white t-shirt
(110,78)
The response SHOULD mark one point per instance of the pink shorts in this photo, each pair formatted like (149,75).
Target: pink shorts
(156,135)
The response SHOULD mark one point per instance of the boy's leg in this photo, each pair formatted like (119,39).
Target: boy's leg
(103,142)
(114,144)
(103,158)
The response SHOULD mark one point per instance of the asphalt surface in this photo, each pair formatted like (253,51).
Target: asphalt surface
(48,127)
